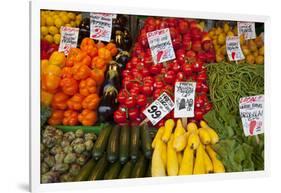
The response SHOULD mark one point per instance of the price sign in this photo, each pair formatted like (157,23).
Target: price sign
(69,38)
(247,29)
(184,99)
(161,45)
(159,108)
(233,48)
(251,113)
(100,26)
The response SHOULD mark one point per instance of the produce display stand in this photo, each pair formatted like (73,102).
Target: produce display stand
(145,96)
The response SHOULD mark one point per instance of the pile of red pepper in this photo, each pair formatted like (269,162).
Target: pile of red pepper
(47,49)
(143,81)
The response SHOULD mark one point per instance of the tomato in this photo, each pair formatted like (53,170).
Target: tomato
(199,86)
(133,114)
(176,67)
(122,95)
(199,102)
(202,76)
(208,106)
(197,66)
(157,93)
(145,72)
(125,73)
(205,88)
(147,89)
(135,90)
(148,79)
(155,69)
(169,77)
(187,69)
(119,116)
(141,100)
(198,114)
(158,84)
(180,76)
(130,102)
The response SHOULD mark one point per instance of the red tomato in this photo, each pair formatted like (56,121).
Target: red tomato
(158,84)
(133,114)
(147,89)
(141,100)
(187,69)
(119,116)
(130,102)
(169,77)
(198,114)
(122,95)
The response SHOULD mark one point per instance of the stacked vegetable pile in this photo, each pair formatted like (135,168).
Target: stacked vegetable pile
(76,85)
(252,49)
(63,154)
(143,81)
(228,83)
(51,22)
(178,151)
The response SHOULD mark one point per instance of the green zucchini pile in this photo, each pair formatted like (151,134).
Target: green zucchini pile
(119,152)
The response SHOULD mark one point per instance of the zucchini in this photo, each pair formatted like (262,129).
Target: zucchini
(146,141)
(101,142)
(99,169)
(135,142)
(113,144)
(124,144)
(126,170)
(85,171)
(113,171)
(87,129)
(140,167)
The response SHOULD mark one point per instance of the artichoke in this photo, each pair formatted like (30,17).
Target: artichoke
(81,160)
(50,177)
(60,167)
(49,160)
(60,157)
(79,133)
(44,168)
(74,169)
(66,178)
(90,136)
(89,144)
(77,141)
(56,150)
(69,158)
(67,149)
(79,148)
(69,136)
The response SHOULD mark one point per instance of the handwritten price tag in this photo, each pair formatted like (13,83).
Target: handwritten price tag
(101,26)
(251,113)
(159,108)
(161,45)
(233,48)
(247,29)
(184,99)
(69,38)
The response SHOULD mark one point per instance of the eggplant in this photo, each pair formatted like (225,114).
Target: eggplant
(123,58)
(110,91)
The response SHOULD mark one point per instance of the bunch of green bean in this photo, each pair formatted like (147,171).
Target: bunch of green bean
(229,82)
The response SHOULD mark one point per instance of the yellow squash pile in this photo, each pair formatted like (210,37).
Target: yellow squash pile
(180,151)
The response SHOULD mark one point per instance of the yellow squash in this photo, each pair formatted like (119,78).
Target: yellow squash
(157,136)
(214,136)
(169,126)
(186,167)
(193,140)
(204,136)
(157,165)
(172,160)
(218,166)
(199,166)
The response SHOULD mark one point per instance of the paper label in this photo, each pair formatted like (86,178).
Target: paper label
(69,39)
(161,46)
(251,113)
(247,29)
(159,108)
(184,99)
(233,48)
(100,26)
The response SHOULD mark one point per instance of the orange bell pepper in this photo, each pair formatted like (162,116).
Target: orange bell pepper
(75,102)
(91,102)
(50,82)
(100,45)
(112,48)
(66,72)
(88,46)
(99,63)
(56,117)
(59,101)
(76,55)
(70,117)
(81,71)
(104,54)
(87,117)
(69,86)
(98,76)
(87,87)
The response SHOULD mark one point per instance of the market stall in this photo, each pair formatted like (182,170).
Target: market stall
(126,96)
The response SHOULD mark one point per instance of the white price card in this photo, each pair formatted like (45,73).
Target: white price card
(184,99)
(247,29)
(69,39)
(100,26)
(161,46)
(159,108)
(233,48)
(251,113)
